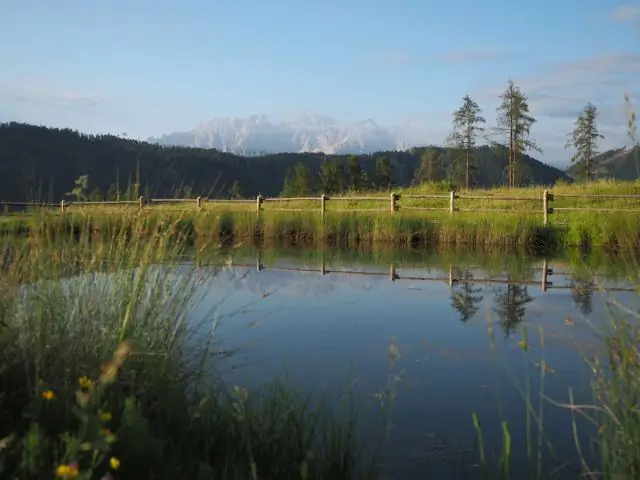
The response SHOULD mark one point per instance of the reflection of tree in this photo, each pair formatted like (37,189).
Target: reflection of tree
(463,296)
(582,286)
(509,305)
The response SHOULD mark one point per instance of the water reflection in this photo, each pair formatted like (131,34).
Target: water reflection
(464,294)
(321,315)
(582,287)
(509,304)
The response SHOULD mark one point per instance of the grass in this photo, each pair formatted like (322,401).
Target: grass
(71,297)
(71,407)
(610,423)
(357,223)
(351,229)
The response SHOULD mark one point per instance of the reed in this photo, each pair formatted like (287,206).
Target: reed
(71,408)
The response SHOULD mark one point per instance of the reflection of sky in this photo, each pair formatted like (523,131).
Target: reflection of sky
(325,331)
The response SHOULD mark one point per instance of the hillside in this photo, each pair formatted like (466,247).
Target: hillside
(618,164)
(40,163)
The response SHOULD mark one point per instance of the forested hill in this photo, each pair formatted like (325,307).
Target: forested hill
(618,164)
(39,163)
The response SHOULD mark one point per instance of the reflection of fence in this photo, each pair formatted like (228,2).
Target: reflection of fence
(450,203)
(450,279)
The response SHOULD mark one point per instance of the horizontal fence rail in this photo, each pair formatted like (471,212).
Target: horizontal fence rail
(451,278)
(451,203)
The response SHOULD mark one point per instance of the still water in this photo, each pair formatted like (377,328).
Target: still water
(424,342)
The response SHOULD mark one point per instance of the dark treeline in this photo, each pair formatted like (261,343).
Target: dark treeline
(42,164)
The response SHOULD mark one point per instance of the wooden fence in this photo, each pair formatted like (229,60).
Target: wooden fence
(449,277)
(449,203)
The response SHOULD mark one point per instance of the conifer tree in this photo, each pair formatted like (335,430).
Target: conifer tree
(584,139)
(514,125)
(467,126)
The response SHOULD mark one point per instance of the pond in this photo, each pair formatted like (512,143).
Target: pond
(423,342)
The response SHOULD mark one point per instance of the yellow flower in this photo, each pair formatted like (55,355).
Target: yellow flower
(114,462)
(67,471)
(48,395)
(105,416)
(85,382)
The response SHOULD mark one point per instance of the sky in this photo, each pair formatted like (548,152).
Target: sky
(146,68)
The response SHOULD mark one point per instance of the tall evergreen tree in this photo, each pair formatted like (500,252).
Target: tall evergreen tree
(514,125)
(331,176)
(467,126)
(383,172)
(430,166)
(298,182)
(584,138)
(357,176)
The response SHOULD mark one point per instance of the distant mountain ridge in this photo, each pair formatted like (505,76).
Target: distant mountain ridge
(618,163)
(303,134)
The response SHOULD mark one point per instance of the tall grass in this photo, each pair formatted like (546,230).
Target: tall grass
(351,222)
(606,431)
(155,410)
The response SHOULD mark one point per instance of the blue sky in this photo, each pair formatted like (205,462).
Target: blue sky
(147,68)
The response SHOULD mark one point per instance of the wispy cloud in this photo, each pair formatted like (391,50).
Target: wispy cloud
(629,13)
(559,93)
(39,95)
(399,58)
(79,98)
(402,58)
(464,56)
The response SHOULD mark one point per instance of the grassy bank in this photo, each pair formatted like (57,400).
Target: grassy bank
(347,229)
(512,217)
(72,408)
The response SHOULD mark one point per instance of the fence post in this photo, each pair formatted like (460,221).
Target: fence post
(545,207)
(546,271)
(199,203)
(323,205)
(394,199)
(62,206)
(393,276)
(141,202)
(452,199)
(259,200)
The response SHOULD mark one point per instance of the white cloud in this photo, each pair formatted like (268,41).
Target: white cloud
(43,96)
(559,93)
(629,13)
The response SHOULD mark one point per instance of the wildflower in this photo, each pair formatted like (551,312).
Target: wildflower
(114,462)
(67,471)
(105,416)
(85,382)
(108,436)
(48,395)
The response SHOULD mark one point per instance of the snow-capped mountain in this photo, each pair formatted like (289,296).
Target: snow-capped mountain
(306,133)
